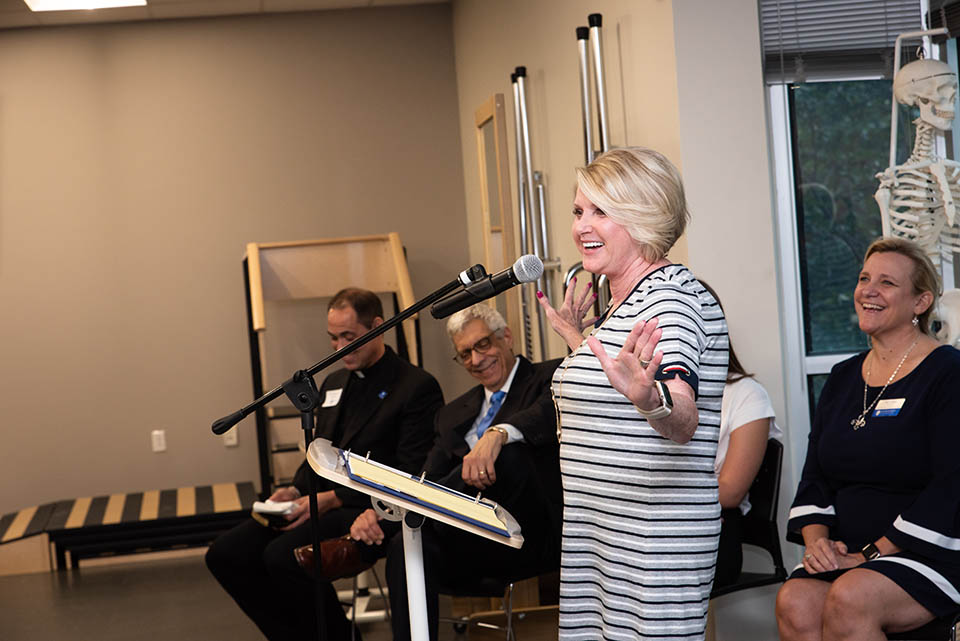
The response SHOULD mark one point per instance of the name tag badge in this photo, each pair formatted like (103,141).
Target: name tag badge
(332,397)
(889,407)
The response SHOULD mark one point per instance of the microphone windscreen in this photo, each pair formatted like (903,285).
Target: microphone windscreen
(528,268)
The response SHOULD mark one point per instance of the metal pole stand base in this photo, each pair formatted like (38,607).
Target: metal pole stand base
(416,588)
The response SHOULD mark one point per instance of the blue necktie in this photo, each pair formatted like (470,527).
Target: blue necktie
(495,402)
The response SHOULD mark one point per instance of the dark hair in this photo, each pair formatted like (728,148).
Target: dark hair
(365,303)
(735,370)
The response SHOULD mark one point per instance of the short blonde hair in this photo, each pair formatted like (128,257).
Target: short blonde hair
(924,277)
(639,189)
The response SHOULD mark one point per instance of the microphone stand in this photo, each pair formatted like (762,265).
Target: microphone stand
(302,391)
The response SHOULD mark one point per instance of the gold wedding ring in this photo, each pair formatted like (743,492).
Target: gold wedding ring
(644,363)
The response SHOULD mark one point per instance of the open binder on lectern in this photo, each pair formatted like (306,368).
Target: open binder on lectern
(472,513)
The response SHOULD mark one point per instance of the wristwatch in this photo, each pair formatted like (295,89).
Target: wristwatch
(870,551)
(666,403)
(504,433)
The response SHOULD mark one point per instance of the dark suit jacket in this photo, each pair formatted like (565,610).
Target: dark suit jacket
(528,407)
(392,419)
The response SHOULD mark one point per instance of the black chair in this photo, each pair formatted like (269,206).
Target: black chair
(484,587)
(760,523)
(943,629)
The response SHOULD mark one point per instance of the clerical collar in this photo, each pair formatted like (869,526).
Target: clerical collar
(376,369)
(505,388)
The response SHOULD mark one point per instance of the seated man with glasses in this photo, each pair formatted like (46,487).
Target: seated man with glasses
(499,438)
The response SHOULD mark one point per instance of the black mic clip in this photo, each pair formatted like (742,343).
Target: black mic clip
(472,274)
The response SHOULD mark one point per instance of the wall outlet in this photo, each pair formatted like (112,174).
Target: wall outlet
(230,438)
(158,440)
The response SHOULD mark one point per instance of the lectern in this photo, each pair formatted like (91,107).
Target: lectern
(411,496)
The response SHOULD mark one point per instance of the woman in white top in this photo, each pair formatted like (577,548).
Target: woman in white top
(746,422)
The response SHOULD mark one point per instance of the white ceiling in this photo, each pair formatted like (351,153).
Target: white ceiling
(15,13)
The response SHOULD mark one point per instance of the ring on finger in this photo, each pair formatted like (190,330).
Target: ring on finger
(483,472)
(807,557)
(644,363)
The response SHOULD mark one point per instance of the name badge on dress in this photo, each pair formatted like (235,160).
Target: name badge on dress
(889,407)
(332,397)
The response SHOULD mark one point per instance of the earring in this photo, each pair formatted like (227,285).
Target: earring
(915,321)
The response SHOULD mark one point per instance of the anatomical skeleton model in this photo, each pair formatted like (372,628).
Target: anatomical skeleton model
(920,198)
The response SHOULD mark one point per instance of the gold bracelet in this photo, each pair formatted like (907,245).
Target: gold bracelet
(506,435)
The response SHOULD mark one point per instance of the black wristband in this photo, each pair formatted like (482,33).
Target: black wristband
(870,552)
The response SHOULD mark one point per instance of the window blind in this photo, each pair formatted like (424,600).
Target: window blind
(945,14)
(810,39)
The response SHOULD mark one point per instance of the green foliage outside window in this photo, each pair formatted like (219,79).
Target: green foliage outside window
(841,141)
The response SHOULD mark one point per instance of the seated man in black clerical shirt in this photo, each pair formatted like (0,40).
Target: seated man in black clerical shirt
(377,403)
(500,437)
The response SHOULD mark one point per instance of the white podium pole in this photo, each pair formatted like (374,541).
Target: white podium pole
(416,587)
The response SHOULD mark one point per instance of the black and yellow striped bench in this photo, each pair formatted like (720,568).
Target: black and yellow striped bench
(137,522)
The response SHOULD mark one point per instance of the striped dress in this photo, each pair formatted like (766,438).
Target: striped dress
(641,519)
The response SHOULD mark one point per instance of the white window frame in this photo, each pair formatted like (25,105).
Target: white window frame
(798,366)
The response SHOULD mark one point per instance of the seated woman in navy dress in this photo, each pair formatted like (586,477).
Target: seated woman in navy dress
(878,506)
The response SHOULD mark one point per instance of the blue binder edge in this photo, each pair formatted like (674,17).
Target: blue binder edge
(403,495)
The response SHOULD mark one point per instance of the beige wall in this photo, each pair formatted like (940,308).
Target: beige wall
(136,160)
(492,37)
(732,241)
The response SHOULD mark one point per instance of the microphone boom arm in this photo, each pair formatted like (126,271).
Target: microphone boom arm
(223,424)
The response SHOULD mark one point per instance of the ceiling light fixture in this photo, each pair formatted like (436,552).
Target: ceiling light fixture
(80,5)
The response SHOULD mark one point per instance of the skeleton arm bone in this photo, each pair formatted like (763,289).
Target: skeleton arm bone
(887,181)
(938,169)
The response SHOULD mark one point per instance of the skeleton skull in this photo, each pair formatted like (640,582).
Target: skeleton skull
(931,85)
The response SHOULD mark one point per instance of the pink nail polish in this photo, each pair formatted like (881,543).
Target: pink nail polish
(539,294)
(589,285)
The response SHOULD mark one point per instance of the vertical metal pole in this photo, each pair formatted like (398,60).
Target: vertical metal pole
(541,202)
(596,20)
(583,34)
(416,587)
(521,73)
(522,204)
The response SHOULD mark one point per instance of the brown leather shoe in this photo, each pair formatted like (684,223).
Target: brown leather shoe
(339,558)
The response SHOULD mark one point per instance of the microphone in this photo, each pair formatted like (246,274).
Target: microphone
(528,268)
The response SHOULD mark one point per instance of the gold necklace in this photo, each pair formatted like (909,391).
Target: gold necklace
(559,393)
(861,420)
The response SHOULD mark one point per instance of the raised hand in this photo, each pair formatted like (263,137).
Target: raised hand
(632,371)
(569,320)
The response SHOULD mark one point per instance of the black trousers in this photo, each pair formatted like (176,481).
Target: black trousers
(256,566)
(454,559)
(730,554)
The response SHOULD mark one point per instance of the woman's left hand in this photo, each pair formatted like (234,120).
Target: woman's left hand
(569,320)
(632,371)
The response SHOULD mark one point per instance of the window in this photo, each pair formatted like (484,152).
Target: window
(841,138)
(828,66)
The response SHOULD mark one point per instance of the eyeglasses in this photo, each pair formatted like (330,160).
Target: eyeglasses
(482,346)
